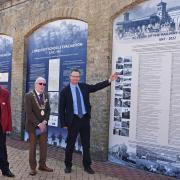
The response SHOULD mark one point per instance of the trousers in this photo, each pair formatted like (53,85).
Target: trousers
(4,164)
(33,139)
(79,126)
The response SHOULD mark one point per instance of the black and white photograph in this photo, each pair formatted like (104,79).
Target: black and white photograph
(126,103)
(120,60)
(128,85)
(116,131)
(117,112)
(118,118)
(125,113)
(127,65)
(161,18)
(53,121)
(119,66)
(118,95)
(127,72)
(54,101)
(117,127)
(118,87)
(120,72)
(118,80)
(124,132)
(125,124)
(126,94)
(128,60)
(127,90)
(127,79)
(117,102)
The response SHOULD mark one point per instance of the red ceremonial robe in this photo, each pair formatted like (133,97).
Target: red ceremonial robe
(5,119)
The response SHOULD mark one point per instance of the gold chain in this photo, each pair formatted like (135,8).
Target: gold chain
(36,100)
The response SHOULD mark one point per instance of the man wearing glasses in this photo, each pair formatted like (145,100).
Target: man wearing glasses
(37,110)
(75,113)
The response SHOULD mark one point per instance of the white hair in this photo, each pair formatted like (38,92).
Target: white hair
(40,79)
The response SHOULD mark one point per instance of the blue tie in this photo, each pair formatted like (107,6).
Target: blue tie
(79,105)
(41,99)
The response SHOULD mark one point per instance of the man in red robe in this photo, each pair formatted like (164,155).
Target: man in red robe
(5,126)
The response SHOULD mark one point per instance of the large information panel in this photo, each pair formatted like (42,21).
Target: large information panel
(145,104)
(53,50)
(6,45)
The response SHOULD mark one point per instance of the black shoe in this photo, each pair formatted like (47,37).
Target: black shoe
(67,170)
(8,173)
(89,170)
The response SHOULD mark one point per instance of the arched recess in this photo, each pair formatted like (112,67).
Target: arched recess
(6,50)
(52,51)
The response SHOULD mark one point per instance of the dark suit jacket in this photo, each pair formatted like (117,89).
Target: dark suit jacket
(66,101)
(33,113)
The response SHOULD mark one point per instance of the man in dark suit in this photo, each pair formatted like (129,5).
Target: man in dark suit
(75,113)
(37,115)
(5,126)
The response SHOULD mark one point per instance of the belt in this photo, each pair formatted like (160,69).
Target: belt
(76,116)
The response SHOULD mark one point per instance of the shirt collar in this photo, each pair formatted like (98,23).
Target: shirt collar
(37,92)
(73,86)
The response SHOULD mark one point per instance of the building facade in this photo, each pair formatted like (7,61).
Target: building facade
(20,18)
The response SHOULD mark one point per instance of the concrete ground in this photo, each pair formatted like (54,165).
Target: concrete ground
(18,159)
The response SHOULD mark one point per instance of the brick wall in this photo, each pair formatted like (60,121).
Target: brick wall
(19,18)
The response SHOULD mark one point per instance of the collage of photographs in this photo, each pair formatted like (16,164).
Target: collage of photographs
(122,99)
